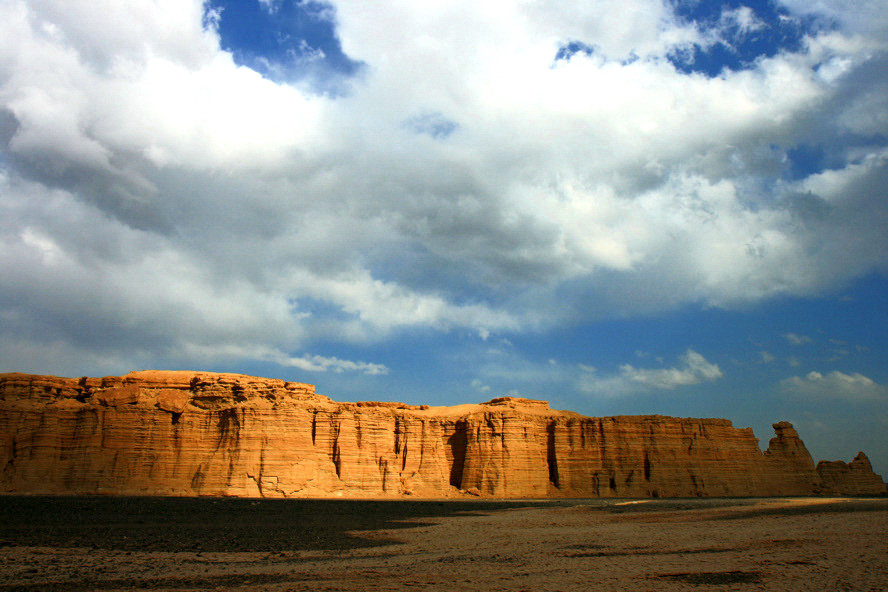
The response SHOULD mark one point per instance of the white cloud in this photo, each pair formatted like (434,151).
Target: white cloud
(308,362)
(866,18)
(466,180)
(128,290)
(743,18)
(695,369)
(271,6)
(316,363)
(382,306)
(834,385)
(795,339)
(480,386)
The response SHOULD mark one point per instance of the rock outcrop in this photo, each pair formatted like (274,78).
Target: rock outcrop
(854,478)
(197,433)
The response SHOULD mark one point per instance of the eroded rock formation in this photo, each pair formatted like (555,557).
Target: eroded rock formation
(197,433)
(854,478)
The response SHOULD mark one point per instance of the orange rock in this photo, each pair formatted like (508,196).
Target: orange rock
(855,478)
(199,433)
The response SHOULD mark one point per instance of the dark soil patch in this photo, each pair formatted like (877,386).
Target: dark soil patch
(194,583)
(213,524)
(627,552)
(708,578)
(848,506)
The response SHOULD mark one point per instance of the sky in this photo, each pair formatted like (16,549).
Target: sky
(672,207)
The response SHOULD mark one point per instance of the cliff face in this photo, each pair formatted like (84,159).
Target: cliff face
(189,433)
(854,478)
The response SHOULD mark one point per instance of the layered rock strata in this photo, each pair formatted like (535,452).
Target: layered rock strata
(196,433)
(854,478)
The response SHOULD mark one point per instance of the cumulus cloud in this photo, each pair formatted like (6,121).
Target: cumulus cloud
(862,18)
(834,385)
(157,196)
(694,369)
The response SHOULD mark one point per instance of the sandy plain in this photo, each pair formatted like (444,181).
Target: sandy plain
(106,543)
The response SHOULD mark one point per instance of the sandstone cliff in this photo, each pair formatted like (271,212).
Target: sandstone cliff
(854,478)
(196,433)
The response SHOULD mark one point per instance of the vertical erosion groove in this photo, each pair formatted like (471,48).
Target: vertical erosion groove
(337,452)
(551,454)
(401,442)
(233,431)
(382,463)
(228,427)
(197,480)
(647,466)
(458,443)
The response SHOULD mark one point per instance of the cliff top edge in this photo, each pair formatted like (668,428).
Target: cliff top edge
(198,383)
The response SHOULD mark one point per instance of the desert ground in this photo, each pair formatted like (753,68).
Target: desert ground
(182,544)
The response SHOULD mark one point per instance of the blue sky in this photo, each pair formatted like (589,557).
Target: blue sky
(623,207)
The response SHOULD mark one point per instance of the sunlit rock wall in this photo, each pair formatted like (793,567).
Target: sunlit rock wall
(193,433)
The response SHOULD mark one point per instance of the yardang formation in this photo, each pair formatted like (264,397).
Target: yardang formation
(198,433)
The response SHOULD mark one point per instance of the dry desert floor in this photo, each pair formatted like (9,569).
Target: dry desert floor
(776,544)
